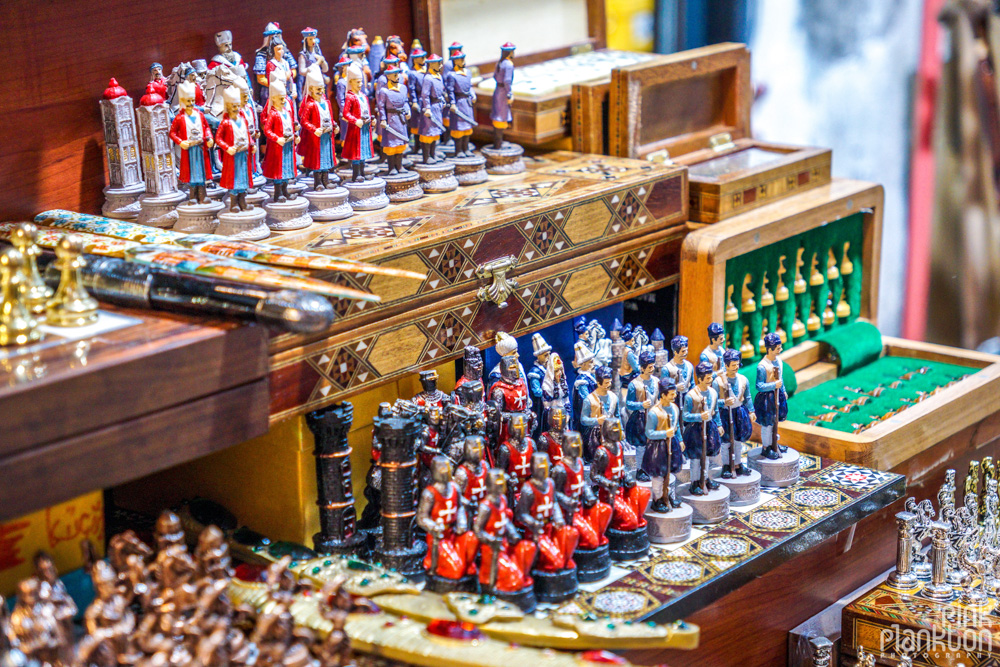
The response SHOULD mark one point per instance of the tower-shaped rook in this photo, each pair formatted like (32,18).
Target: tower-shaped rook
(162,196)
(398,547)
(121,150)
(338,532)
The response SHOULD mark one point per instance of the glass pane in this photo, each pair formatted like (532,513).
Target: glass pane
(748,158)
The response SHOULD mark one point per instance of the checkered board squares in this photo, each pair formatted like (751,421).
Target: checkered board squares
(854,477)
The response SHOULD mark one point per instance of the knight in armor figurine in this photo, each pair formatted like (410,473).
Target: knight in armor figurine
(472,369)
(318,128)
(358,117)
(663,446)
(191,133)
(233,138)
(505,559)
(679,369)
(310,55)
(584,384)
(601,405)
(503,94)
(280,129)
(429,441)
(640,397)
(716,347)
(515,452)
(736,413)
(542,520)
(450,562)
(581,507)
(551,440)
(536,374)
(771,401)
(555,389)
(432,101)
(510,395)
(702,429)
(459,89)
(430,394)
(394,114)
(470,475)
(617,487)
(505,345)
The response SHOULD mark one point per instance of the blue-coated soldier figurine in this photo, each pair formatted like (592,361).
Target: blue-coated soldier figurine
(640,397)
(702,429)
(771,401)
(679,369)
(602,404)
(663,446)
(584,384)
(716,346)
(629,368)
(736,413)
(536,375)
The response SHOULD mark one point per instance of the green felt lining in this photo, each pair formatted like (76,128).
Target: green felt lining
(855,345)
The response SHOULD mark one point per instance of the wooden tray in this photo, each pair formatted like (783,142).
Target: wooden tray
(693,108)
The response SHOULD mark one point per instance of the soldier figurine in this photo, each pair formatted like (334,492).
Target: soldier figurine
(34,629)
(505,560)
(432,100)
(190,131)
(716,346)
(543,523)
(311,54)
(601,405)
(640,397)
(318,127)
(414,84)
(736,413)
(450,562)
(515,452)
(281,131)
(583,341)
(587,514)
(503,94)
(108,619)
(340,96)
(551,440)
(536,374)
(430,394)
(53,591)
(663,446)
(771,401)
(627,536)
(212,555)
(701,429)
(459,89)
(234,138)
(661,356)
(679,369)
(584,384)
(470,475)
(510,395)
(428,442)
(555,389)
(472,370)
(357,115)
(394,114)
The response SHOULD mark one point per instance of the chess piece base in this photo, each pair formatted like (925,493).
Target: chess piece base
(470,170)
(743,489)
(159,210)
(436,177)
(627,544)
(294,188)
(941,593)
(345,173)
(442,585)
(556,586)
(408,562)
(903,582)
(524,598)
(505,161)
(198,218)
(670,527)
(123,203)
(244,226)
(712,507)
(329,204)
(255,198)
(780,472)
(287,215)
(404,186)
(349,546)
(592,564)
(368,195)
(215,192)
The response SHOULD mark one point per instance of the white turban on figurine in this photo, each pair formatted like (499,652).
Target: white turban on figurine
(505,344)
(223,37)
(185,90)
(277,86)
(355,73)
(232,95)
(242,84)
(314,77)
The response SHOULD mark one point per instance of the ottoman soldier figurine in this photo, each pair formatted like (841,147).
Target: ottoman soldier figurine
(340,95)
(470,475)
(701,429)
(311,54)
(503,94)
(414,84)
(432,100)
(505,560)
(234,138)
(515,452)
(430,394)
(357,114)
(736,412)
(584,384)
(510,395)
(771,401)
(640,397)
(190,131)
(716,346)
(600,407)
(394,114)
(536,374)
(661,355)
(663,446)
(544,524)
(318,128)
(583,342)
(458,85)
(627,533)
(551,441)
(583,510)
(279,129)
(450,562)
(679,369)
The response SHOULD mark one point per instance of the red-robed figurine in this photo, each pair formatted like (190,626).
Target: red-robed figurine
(589,515)
(542,519)
(510,394)
(318,128)
(617,487)
(470,475)
(451,547)
(514,454)
(233,139)
(358,117)
(505,559)
(191,132)
(278,125)
(551,440)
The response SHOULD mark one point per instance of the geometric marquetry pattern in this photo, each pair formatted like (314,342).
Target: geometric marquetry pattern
(672,572)
(781,185)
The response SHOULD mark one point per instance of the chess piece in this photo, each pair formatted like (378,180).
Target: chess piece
(393,109)
(939,589)
(550,441)
(108,620)
(34,292)
(52,592)
(338,532)
(737,414)
(470,168)
(798,327)
(640,397)
(813,321)
(450,562)
(749,305)
(398,547)
(679,369)
(414,83)
(732,314)
(435,174)
(285,211)
(815,275)
(588,515)
(503,157)
(542,520)
(472,367)
(357,113)
(822,650)
(555,392)
(536,374)
(766,298)
(121,151)
(903,578)
(212,555)
(865,659)
(584,384)
(470,475)
(34,629)
(746,347)
(777,464)
(70,306)
(190,131)
(311,55)
(505,560)
(832,272)
(799,286)
(843,308)
(429,393)
(514,453)
(627,535)
(846,265)
(661,355)
(669,519)
(702,429)
(781,294)
(780,331)
(510,395)
(599,407)
(316,120)
(828,315)
(760,342)
(159,201)
(716,346)
(504,345)
(233,139)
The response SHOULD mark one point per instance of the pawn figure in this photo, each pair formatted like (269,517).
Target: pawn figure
(17,326)
(702,429)
(190,131)
(771,401)
(736,412)
(280,129)
(71,306)
(34,292)
(450,562)
(233,138)
(663,446)
(318,128)
(617,487)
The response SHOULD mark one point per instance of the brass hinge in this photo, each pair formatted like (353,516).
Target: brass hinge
(722,141)
(499,286)
(661,156)
(577,49)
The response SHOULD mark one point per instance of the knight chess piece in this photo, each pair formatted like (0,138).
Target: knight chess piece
(588,515)
(450,562)
(71,305)
(627,534)
(505,560)
(34,292)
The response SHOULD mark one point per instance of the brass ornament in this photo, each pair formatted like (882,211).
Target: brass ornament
(17,325)
(781,294)
(71,306)
(749,305)
(732,314)
(34,292)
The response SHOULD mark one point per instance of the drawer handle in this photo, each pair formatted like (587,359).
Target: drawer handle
(500,285)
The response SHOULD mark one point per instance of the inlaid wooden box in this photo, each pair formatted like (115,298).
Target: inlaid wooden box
(693,108)
(575,232)
(719,270)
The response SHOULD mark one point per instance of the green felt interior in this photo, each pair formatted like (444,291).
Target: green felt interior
(807,405)
(854,345)
(765,260)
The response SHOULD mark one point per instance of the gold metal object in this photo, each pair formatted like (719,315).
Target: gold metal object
(17,325)
(661,156)
(781,332)
(815,276)
(828,315)
(500,285)
(846,265)
(763,332)
(832,273)
(749,305)
(71,306)
(34,292)
(798,328)
(723,141)
(813,321)
(843,308)
(731,313)
(746,348)
(799,287)
(781,293)
(766,297)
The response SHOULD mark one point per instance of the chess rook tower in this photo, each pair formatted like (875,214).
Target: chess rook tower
(162,196)
(398,548)
(338,533)
(121,149)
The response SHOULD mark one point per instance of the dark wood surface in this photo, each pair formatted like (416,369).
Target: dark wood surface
(61,54)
